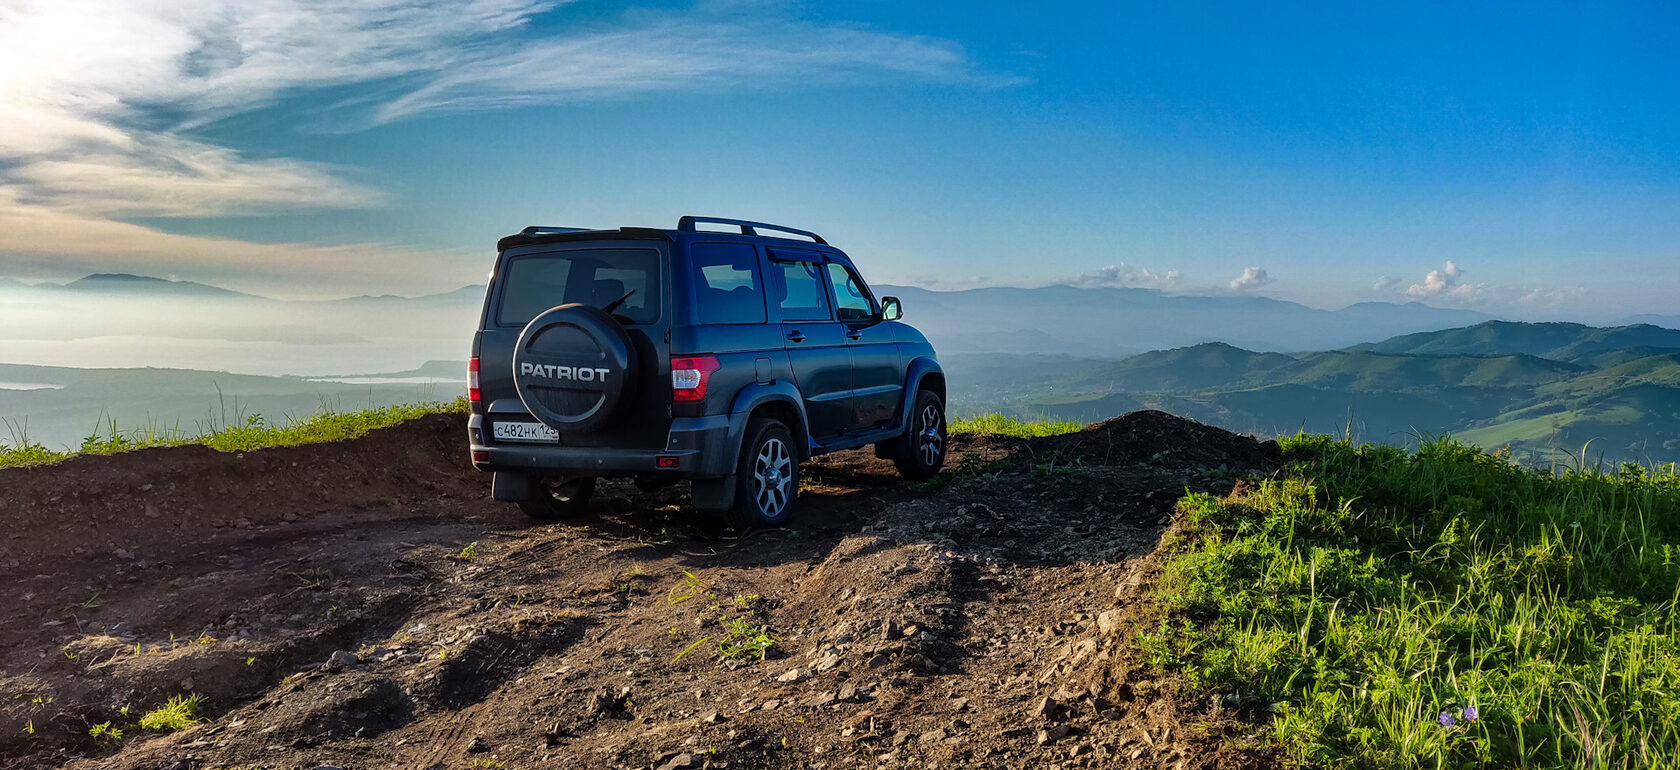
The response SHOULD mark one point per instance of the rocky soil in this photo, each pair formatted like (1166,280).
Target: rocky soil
(364,604)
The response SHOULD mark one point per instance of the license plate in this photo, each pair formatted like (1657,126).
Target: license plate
(524,431)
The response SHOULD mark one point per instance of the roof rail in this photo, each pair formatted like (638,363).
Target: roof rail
(536,230)
(688,223)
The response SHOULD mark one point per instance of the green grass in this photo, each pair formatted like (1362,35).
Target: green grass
(254,433)
(179,713)
(998,425)
(1367,595)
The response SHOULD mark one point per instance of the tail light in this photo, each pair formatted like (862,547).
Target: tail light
(689,376)
(473,393)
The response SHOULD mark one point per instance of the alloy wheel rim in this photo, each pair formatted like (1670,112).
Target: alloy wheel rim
(772,476)
(932,443)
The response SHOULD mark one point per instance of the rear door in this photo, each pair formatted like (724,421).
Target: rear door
(530,280)
(816,343)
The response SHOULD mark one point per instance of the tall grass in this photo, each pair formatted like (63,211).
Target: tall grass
(254,432)
(1437,608)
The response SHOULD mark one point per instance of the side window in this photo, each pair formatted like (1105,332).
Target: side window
(851,301)
(727,284)
(800,290)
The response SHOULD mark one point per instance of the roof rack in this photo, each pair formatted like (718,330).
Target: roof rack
(688,223)
(536,230)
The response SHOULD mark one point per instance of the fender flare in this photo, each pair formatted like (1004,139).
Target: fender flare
(918,371)
(757,394)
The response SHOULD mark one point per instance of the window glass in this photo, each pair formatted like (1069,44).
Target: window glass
(537,282)
(726,282)
(800,290)
(851,302)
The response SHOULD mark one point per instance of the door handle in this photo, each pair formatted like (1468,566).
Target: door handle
(854,335)
(796,336)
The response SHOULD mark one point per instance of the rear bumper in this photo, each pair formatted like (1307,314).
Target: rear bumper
(697,448)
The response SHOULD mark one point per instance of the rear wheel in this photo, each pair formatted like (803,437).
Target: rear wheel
(561,499)
(767,477)
(922,452)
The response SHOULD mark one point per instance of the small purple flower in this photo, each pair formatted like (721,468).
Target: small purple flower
(1446,719)
(1469,713)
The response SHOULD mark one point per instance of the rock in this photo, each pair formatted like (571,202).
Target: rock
(711,717)
(1109,622)
(603,701)
(828,662)
(959,704)
(821,699)
(1053,733)
(935,735)
(342,659)
(771,705)
(793,675)
(477,745)
(848,692)
(1047,708)
(679,762)
(891,629)
(123,553)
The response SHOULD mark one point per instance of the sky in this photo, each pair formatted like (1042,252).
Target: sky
(1515,158)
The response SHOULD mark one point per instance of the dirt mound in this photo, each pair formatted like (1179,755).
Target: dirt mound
(138,499)
(1151,436)
(374,609)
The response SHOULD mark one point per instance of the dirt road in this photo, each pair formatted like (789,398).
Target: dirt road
(364,605)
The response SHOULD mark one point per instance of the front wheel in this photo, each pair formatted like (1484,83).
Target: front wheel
(767,477)
(554,500)
(922,452)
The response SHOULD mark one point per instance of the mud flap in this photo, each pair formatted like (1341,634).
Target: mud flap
(509,486)
(714,494)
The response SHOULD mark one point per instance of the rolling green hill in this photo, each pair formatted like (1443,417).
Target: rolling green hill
(1560,341)
(1545,390)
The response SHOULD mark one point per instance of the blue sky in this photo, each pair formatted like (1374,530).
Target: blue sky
(1518,158)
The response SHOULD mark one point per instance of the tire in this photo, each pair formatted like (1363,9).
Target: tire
(922,452)
(766,478)
(556,500)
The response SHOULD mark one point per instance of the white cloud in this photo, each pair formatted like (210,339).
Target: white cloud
(1386,282)
(1252,277)
(1124,276)
(1444,283)
(104,99)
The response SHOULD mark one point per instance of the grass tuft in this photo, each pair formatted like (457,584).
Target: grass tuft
(1437,608)
(179,713)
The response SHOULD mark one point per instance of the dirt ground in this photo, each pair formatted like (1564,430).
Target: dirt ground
(363,604)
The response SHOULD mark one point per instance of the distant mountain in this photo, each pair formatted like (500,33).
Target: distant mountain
(1118,322)
(1559,341)
(139,284)
(1665,321)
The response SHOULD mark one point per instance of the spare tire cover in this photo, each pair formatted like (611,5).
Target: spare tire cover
(572,367)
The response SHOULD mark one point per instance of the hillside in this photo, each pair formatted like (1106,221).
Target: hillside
(366,605)
(1559,341)
(1545,390)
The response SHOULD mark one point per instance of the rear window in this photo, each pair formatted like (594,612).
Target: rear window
(536,282)
(727,283)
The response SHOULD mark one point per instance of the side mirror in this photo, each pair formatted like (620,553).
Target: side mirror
(890,309)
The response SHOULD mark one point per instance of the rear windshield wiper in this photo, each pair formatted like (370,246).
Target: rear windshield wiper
(613,305)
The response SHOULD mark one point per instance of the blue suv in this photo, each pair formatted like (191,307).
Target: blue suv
(723,358)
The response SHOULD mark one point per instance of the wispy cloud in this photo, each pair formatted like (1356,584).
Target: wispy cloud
(678,54)
(105,99)
(1252,278)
